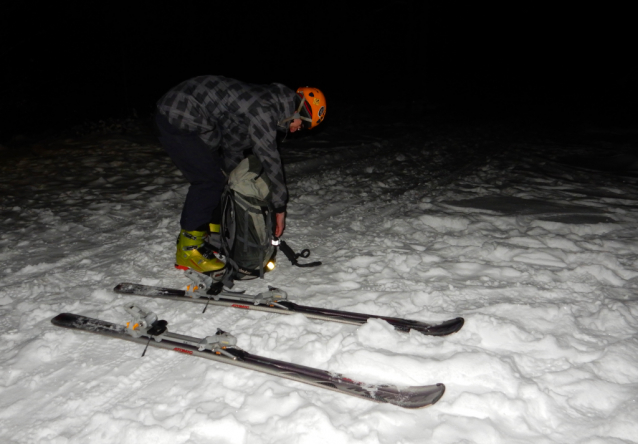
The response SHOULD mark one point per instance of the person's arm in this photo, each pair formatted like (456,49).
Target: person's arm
(263,132)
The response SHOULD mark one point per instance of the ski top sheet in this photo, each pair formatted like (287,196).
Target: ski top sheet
(269,302)
(224,350)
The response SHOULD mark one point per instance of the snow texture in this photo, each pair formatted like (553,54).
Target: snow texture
(539,256)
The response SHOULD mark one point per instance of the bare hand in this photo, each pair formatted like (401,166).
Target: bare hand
(280,221)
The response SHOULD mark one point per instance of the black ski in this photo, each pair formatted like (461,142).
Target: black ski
(274,301)
(221,347)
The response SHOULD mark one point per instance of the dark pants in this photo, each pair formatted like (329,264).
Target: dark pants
(202,167)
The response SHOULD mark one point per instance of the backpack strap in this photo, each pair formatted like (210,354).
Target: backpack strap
(292,256)
(231,265)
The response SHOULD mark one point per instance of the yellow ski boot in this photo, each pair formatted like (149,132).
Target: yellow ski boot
(194,253)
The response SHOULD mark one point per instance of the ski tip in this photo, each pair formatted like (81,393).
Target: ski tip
(451,326)
(418,397)
(460,322)
(442,329)
(64,319)
(441,393)
(435,395)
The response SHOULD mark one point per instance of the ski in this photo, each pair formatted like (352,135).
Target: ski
(275,301)
(148,330)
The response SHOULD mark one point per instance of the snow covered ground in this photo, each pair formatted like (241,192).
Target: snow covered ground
(539,257)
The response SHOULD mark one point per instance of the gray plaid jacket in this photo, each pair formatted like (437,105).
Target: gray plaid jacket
(235,116)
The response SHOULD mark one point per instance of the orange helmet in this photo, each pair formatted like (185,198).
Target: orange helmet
(312,108)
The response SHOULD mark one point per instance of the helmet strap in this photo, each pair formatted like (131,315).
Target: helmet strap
(297,114)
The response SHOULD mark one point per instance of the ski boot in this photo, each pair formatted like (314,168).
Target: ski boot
(194,253)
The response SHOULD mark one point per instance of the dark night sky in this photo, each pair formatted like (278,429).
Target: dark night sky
(397,60)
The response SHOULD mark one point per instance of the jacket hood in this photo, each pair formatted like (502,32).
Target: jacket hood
(285,102)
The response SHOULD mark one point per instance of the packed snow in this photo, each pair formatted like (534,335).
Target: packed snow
(533,241)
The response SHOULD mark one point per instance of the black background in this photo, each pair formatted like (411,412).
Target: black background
(398,61)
